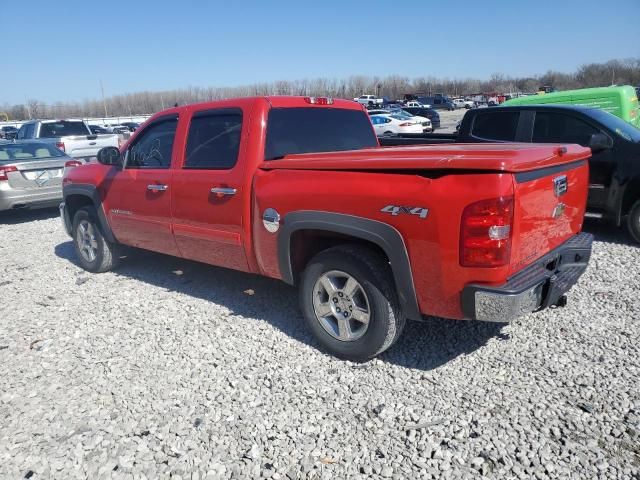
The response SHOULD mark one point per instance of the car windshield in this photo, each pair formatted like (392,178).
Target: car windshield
(309,130)
(401,114)
(12,152)
(62,128)
(616,125)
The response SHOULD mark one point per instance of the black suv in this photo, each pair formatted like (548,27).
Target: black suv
(614,178)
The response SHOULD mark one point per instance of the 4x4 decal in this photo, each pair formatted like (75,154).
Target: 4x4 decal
(397,210)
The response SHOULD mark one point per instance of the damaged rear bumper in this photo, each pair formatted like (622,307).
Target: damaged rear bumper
(540,285)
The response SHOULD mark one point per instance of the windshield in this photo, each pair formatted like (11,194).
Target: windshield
(11,152)
(401,114)
(616,125)
(62,128)
(308,130)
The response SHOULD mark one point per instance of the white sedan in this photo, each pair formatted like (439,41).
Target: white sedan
(424,121)
(386,125)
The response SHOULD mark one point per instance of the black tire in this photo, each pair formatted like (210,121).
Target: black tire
(106,257)
(633,221)
(374,275)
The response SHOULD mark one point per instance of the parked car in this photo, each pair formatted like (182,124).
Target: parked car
(120,129)
(395,124)
(416,104)
(8,131)
(71,136)
(97,129)
(429,113)
(132,126)
(463,103)
(30,175)
(427,126)
(620,101)
(369,100)
(437,101)
(614,174)
(296,188)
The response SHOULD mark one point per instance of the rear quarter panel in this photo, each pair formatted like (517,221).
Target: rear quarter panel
(432,243)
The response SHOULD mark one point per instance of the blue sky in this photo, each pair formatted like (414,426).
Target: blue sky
(62,53)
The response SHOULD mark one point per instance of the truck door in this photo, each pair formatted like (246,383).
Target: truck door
(207,191)
(556,127)
(137,197)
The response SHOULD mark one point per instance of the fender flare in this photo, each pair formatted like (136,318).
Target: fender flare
(381,234)
(91,192)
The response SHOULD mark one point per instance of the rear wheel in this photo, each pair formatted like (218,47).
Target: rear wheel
(94,252)
(349,302)
(633,221)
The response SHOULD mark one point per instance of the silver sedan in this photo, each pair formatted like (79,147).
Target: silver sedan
(31,175)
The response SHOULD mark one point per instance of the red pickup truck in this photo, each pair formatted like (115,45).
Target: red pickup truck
(298,189)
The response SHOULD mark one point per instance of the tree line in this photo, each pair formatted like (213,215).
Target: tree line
(620,72)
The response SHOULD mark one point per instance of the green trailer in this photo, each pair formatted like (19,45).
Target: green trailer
(620,101)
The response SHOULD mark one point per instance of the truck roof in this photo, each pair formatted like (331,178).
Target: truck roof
(274,101)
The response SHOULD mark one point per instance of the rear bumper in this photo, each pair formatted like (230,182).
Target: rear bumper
(540,285)
(33,198)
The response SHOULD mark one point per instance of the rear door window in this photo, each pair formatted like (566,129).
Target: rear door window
(214,139)
(500,126)
(308,130)
(62,129)
(552,127)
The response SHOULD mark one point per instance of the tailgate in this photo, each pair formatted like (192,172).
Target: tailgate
(549,209)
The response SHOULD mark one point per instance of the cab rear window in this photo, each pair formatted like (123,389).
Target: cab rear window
(63,129)
(309,130)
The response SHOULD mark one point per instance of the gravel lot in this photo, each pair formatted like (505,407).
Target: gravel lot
(172,368)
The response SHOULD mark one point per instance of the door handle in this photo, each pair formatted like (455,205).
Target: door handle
(223,191)
(154,187)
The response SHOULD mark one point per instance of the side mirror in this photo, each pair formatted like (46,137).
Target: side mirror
(108,156)
(599,142)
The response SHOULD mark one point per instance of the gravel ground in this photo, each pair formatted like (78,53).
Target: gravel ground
(172,368)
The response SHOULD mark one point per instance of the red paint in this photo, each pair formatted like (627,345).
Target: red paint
(187,220)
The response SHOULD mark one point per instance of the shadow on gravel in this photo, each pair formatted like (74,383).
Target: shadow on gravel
(423,345)
(14,217)
(606,232)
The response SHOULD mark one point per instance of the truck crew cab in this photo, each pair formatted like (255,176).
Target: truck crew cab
(298,189)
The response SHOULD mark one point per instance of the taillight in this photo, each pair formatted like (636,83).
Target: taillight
(72,163)
(60,146)
(485,233)
(319,100)
(5,170)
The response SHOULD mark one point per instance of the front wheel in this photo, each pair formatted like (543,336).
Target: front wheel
(95,254)
(633,221)
(349,302)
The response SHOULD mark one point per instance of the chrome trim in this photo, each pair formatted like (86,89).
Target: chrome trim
(223,191)
(496,307)
(157,188)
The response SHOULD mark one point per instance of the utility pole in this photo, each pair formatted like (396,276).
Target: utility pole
(162,101)
(104,104)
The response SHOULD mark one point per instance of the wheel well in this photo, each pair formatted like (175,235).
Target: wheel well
(73,203)
(631,194)
(305,244)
